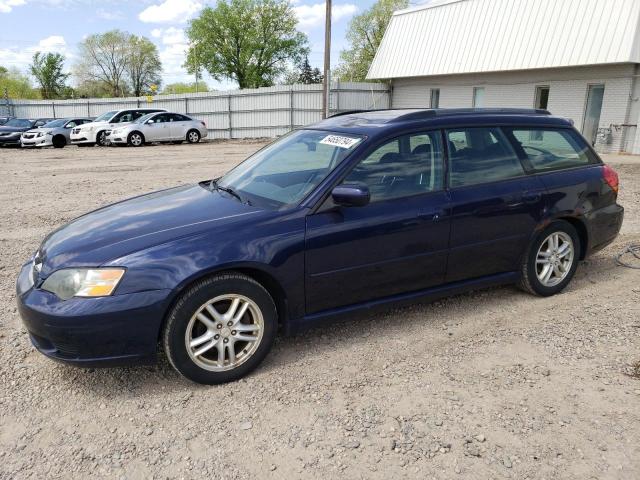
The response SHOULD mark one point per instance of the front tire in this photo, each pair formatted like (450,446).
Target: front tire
(193,136)
(101,139)
(220,329)
(135,139)
(59,141)
(551,261)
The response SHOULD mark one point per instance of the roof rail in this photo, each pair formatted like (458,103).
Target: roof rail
(437,112)
(350,112)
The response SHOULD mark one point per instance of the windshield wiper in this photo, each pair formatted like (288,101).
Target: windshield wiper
(215,185)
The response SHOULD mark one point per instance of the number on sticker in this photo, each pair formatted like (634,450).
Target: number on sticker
(339,141)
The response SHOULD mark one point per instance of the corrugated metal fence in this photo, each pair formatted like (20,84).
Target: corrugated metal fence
(249,113)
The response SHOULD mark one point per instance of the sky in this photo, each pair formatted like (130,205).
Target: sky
(27,26)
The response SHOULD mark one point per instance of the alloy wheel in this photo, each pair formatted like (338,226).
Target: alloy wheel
(194,137)
(136,139)
(224,332)
(554,259)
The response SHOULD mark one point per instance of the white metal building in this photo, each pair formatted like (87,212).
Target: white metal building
(578,58)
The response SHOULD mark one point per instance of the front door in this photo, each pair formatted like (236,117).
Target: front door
(159,130)
(395,244)
(495,205)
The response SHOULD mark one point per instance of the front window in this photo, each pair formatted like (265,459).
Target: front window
(405,166)
(286,171)
(105,117)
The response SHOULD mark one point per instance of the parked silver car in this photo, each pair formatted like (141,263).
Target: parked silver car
(159,127)
(53,134)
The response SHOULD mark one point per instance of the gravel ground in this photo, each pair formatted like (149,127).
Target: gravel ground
(491,384)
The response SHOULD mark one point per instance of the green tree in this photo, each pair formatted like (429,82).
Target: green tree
(16,84)
(181,87)
(309,75)
(143,67)
(364,35)
(248,41)
(104,58)
(47,69)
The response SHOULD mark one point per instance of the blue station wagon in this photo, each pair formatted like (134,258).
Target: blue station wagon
(361,210)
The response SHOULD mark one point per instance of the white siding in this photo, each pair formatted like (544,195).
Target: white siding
(567,95)
(470,36)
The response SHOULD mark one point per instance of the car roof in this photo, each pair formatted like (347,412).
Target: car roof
(383,122)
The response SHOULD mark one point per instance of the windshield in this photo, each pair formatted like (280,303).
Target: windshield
(18,122)
(55,123)
(288,170)
(105,116)
(145,117)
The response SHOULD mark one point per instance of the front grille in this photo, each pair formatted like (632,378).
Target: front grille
(29,135)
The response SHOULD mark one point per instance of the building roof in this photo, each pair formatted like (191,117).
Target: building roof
(469,36)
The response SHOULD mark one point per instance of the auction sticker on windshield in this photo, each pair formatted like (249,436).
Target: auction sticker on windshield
(339,141)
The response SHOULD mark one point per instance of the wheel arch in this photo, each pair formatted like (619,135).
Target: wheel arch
(59,136)
(582,231)
(144,139)
(255,272)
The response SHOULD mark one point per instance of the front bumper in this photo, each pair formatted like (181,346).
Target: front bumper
(92,332)
(82,137)
(44,141)
(117,138)
(10,140)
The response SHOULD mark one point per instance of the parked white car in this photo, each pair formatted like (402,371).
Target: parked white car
(159,127)
(95,133)
(53,134)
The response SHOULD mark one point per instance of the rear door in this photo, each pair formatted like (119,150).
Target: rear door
(395,244)
(178,126)
(495,205)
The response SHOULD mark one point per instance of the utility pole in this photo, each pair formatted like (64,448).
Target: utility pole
(327,61)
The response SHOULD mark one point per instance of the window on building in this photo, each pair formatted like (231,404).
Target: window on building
(542,97)
(435,98)
(406,166)
(548,149)
(478,97)
(480,155)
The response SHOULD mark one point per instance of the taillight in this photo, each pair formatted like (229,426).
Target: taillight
(611,177)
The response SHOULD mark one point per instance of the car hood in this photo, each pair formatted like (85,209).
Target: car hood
(139,223)
(13,129)
(40,130)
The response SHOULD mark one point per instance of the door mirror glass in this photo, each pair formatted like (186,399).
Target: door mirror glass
(150,121)
(351,195)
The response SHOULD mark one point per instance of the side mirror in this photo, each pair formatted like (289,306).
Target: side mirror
(351,195)
(150,122)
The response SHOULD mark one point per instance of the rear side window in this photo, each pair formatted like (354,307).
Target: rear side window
(549,149)
(481,155)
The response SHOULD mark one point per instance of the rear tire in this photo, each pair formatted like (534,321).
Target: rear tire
(59,141)
(193,136)
(551,260)
(209,340)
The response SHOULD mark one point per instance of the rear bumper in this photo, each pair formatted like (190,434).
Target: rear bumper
(604,226)
(93,332)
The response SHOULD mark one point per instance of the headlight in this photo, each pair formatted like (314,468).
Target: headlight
(83,282)
(49,133)
(40,134)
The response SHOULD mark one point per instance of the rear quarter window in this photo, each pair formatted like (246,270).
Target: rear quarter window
(552,149)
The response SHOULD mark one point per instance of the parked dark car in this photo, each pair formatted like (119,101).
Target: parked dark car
(4,120)
(358,211)
(11,131)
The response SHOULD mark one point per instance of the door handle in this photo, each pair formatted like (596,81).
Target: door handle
(434,216)
(531,197)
